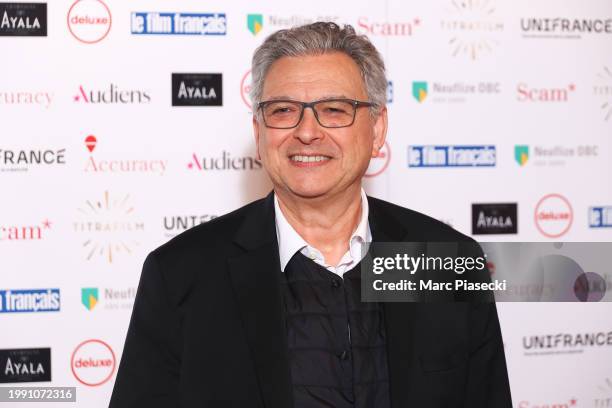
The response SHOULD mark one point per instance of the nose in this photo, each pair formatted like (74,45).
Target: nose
(308,129)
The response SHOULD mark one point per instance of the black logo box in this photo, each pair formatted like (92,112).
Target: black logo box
(24,11)
(496,210)
(208,81)
(29,356)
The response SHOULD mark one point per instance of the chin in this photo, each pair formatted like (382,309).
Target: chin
(310,191)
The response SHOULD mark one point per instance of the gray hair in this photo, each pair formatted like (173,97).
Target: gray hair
(320,38)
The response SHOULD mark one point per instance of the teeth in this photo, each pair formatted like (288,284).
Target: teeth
(308,159)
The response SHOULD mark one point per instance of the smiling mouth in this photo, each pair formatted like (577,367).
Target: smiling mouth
(299,158)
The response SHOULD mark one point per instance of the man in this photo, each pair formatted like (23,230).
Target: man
(261,307)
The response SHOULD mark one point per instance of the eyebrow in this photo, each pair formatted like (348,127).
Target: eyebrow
(285,97)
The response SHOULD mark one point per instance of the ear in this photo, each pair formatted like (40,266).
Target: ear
(256,133)
(380,131)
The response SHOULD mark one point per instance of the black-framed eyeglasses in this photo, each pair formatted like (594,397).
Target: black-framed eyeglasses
(330,113)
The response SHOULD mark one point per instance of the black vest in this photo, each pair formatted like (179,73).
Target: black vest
(337,347)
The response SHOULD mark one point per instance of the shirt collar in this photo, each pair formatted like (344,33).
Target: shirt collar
(290,242)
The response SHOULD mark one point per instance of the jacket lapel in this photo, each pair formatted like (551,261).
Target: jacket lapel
(256,279)
(400,317)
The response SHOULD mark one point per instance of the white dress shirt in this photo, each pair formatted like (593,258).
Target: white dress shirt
(289,241)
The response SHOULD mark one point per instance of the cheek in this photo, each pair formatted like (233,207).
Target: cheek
(362,146)
(271,147)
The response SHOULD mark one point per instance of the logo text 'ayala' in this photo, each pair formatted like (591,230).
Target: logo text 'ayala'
(494,218)
(25,365)
(197,89)
(23,19)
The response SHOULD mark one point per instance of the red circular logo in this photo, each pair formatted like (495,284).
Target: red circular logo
(379,163)
(553,215)
(245,88)
(90,143)
(89,21)
(93,362)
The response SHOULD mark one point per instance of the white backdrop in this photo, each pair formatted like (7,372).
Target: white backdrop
(78,223)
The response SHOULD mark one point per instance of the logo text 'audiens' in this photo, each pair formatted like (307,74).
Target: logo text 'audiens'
(223,162)
(111,95)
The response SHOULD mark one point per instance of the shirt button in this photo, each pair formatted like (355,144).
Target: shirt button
(344,355)
(336,283)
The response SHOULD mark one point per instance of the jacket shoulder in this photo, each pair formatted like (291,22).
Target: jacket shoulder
(199,251)
(417,224)
(212,234)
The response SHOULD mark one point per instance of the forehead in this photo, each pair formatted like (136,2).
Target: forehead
(313,77)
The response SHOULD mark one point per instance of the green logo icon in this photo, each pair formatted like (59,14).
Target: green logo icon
(89,297)
(255,23)
(419,90)
(521,154)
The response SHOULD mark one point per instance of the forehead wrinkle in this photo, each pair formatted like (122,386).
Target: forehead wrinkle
(333,75)
(322,98)
(280,88)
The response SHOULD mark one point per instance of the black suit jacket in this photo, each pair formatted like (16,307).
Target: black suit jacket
(207,329)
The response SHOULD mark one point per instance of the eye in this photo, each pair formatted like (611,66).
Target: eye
(278,109)
(282,109)
(335,110)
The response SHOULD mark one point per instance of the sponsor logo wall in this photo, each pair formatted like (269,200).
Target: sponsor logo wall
(138,127)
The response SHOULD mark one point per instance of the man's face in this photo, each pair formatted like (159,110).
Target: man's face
(346,151)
